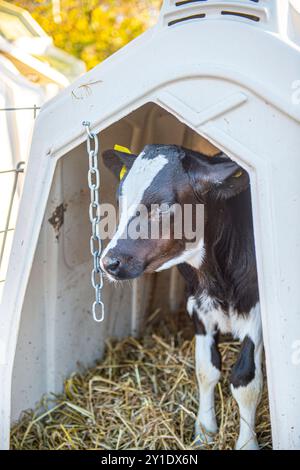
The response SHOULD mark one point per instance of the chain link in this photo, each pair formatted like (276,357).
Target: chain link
(94,215)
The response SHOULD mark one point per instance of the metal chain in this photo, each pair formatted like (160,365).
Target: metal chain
(94,215)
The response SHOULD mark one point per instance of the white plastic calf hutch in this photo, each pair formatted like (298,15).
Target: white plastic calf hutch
(223,71)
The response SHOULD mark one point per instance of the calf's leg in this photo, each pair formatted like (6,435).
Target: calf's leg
(208,366)
(246,378)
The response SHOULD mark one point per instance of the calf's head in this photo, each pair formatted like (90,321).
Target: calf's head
(159,184)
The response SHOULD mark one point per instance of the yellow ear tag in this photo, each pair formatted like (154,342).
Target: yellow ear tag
(238,174)
(120,148)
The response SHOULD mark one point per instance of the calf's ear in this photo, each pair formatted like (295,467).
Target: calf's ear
(115,160)
(228,179)
(217,177)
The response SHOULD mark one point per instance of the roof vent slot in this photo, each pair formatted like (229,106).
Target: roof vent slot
(243,15)
(185,2)
(180,3)
(186,18)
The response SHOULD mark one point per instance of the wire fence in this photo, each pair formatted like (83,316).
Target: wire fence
(19,169)
(33,108)
(10,198)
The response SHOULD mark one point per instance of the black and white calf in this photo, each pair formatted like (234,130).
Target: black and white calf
(220,270)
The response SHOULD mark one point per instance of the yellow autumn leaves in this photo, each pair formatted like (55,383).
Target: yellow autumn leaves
(93,29)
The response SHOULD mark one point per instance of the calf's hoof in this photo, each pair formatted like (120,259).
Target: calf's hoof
(203,437)
(251,444)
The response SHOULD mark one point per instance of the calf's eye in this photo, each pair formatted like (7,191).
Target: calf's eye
(164,208)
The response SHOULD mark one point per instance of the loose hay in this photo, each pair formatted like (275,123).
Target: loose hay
(142,395)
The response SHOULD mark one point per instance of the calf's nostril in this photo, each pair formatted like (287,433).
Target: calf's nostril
(111,264)
(114,264)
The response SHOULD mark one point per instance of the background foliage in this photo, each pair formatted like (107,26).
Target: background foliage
(93,29)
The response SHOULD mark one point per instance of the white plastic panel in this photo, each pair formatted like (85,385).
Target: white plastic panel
(232,95)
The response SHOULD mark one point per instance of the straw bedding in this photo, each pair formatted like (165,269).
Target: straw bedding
(142,395)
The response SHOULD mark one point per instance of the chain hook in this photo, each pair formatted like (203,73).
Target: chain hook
(94,216)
